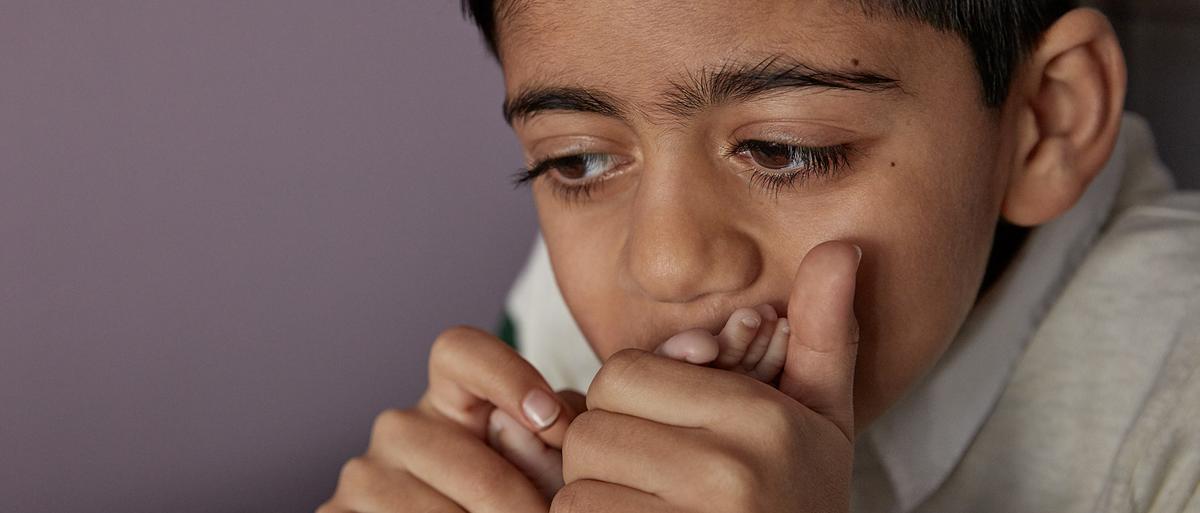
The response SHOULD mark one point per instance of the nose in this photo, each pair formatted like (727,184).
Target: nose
(684,241)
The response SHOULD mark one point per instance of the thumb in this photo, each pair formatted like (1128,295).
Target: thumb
(823,348)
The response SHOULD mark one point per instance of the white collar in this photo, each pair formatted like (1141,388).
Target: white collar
(922,437)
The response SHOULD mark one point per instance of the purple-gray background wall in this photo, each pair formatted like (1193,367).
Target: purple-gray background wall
(230,230)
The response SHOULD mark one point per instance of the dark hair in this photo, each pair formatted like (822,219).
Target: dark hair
(1001,33)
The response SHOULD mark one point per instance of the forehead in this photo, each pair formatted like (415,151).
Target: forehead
(649,38)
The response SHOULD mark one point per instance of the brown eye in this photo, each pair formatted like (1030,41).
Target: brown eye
(583,167)
(773,155)
(572,168)
(779,165)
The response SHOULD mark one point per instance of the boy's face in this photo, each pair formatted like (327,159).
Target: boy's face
(695,114)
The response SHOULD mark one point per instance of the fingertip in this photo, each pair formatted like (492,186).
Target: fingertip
(833,255)
(540,409)
(822,351)
(826,279)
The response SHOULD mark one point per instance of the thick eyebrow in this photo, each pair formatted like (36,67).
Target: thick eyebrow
(738,82)
(530,102)
(731,82)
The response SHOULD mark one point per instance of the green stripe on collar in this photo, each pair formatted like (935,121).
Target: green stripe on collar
(506,330)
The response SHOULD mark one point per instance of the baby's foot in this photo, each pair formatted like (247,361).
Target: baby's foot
(753,342)
(762,351)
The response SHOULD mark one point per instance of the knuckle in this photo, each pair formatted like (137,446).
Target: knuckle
(580,431)
(486,484)
(354,470)
(357,479)
(391,426)
(452,339)
(730,478)
(770,417)
(569,499)
(580,440)
(616,372)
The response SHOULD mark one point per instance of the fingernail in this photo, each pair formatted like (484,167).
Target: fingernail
(858,249)
(783,326)
(750,322)
(541,409)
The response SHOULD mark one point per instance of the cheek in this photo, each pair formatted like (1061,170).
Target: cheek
(928,250)
(584,244)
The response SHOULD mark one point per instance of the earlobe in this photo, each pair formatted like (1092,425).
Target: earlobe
(1069,101)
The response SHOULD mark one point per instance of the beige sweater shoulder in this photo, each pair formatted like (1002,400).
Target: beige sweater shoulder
(1102,413)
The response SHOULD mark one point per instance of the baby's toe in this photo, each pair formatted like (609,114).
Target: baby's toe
(736,336)
(758,347)
(693,346)
(772,362)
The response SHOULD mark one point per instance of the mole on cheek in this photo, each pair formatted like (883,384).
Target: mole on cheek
(893,164)
(854,62)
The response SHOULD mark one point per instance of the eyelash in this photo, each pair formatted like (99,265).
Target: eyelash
(822,162)
(570,194)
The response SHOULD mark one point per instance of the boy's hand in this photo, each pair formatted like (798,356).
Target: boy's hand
(663,435)
(435,457)
(752,342)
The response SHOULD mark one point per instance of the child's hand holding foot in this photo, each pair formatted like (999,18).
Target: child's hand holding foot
(745,446)
(753,342)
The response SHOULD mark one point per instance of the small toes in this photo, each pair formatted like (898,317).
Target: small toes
(758,347)
(767,312)
(693,346)
(772,362)
(736,336)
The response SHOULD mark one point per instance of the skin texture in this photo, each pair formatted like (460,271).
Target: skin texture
(753,342)
(874,266)
(682,239)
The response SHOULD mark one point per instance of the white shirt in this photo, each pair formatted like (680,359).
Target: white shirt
(922,437)
(907,456)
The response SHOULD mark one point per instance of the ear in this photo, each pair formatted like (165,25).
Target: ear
(1068,97)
